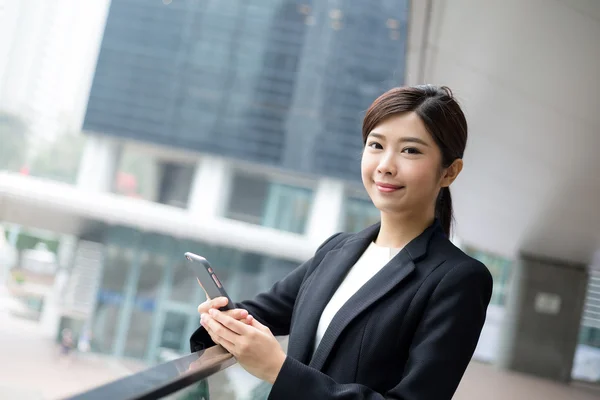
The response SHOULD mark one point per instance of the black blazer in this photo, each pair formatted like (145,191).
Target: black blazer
(408,333)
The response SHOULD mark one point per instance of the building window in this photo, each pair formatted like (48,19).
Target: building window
(359,214)
(141,174)
(257,200)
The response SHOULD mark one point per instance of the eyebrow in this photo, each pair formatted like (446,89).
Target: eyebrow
(404,139)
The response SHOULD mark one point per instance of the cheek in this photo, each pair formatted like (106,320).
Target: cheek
(367,167)
(424,175)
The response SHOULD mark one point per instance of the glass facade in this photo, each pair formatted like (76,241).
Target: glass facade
(591,312)
(259,200)
(590,336)
(147,301)
(586,366)
(279,82)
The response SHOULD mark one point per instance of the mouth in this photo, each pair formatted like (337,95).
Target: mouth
(387,188)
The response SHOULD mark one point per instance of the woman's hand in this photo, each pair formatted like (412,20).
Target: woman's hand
(237,313)
(218,302)
(253,345)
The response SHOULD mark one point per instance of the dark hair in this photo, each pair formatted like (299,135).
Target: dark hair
(444,120)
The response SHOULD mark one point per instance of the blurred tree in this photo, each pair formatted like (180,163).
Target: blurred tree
(59,159)
(13,142)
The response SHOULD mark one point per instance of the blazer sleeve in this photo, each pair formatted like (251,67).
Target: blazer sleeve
(442,347)
(274,307)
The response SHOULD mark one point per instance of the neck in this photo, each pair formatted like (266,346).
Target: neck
(397,231)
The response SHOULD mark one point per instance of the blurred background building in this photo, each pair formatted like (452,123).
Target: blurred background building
(245,112)
(133,131)
(236,128)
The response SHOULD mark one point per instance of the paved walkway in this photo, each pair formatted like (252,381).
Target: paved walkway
(484,381)
(30,367)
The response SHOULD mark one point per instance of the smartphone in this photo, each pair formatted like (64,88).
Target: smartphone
(208,279)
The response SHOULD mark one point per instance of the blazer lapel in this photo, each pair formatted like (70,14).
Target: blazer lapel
(399,268)
(325,280)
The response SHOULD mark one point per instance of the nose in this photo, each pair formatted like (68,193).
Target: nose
(387,165)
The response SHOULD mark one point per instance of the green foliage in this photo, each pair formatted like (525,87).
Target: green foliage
(29,241)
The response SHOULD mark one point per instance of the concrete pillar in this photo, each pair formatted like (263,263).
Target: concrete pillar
(99,164)
(543,316)
(210,187)
(326,211)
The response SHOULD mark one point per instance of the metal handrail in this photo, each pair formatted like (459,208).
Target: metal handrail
(164,379)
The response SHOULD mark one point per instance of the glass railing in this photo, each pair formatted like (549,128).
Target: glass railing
(211,374)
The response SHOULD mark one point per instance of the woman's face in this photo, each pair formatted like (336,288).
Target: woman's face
(401,167)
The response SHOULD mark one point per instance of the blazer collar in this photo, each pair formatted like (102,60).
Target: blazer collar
(327,279)
(416,248)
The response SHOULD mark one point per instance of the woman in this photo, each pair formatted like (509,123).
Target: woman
(394,311)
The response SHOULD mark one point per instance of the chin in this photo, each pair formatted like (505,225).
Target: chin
(389,210)
(386,206)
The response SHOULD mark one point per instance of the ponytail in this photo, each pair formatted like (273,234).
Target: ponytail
(443,209)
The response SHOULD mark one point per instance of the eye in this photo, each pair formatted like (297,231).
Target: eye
(375,145)
(411,150)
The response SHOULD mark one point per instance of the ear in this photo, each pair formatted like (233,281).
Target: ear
(451,173)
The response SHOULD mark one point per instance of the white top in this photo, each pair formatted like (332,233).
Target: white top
(372,261)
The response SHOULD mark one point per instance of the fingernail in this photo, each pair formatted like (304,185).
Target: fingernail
(212,311)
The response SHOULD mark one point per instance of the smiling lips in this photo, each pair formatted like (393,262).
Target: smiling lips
(387,188)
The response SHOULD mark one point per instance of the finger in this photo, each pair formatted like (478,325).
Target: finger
(238,313)
(219,302)
(204,307)
(232,324)
(227,345)
(212,335)
(215,338)
(258,325)
(207,328)
(222,331)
